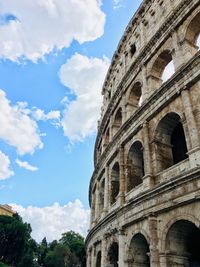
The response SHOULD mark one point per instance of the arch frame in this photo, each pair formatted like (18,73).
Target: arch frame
(186,217)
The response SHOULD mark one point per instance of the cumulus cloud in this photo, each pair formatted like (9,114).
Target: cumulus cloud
(52,221)
(19,130)
(84,76)
(31,29)
(39,114)
(5,171)
(26,165)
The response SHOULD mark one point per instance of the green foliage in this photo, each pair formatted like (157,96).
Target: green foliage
(3,265)
(15,241)
(18,249)
(75,242)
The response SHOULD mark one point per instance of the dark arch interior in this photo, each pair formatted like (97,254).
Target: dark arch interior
(115,183)
(179,147)
(183,244)
(170,141)
(113,254)
(135,166)
(139,252)
(98,263)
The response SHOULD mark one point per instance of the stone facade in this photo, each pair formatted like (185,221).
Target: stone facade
(145,189)
(6,210)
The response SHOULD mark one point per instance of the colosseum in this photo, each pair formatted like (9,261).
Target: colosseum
(145,189)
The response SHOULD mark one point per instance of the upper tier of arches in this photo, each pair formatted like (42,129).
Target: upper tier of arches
(124,101)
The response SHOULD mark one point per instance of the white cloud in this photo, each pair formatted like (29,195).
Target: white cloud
(26,165)
(39,114)
(52,221)
(5,171)
(84,76)
(19,130)
(32,29)
(117,3)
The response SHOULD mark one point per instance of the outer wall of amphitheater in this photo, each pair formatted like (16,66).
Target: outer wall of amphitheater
(145,189)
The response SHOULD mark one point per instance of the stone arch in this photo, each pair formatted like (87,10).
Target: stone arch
(191,35)
(98,259)
(182,244)
(115,180)
(162,68)
(170,142)
(113,254)
(117,122)
(181,216)
(138,252)
(193,29)
(135,165)
(134,98)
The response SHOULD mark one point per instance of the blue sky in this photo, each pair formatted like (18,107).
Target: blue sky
(54,57)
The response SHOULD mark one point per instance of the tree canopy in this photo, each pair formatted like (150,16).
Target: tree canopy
(18,249)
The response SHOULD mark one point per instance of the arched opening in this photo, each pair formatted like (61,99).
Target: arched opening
(98,261)
(135,166)
(134,99)
(192,38)
(162,70)
(101,195)
(183,244)
(138,254)
(117,121)
(114,183)
(170,142)
(113,254)
(133,50)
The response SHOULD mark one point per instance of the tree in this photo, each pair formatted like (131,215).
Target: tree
(42,251)
(61,256)
(75,242)
(16,244)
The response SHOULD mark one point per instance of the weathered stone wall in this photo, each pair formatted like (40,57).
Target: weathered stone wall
(145,189)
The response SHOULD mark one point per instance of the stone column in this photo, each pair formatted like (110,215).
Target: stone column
(103,252)
(142,34)
(154,253)
(122,176)
(145,90)
(121,248)
(88,264)
(93,260)
(123,109)
(147,179)
(106,191)
(97,202)
(193,132)
(92,214)
(177,54)
(192,128)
